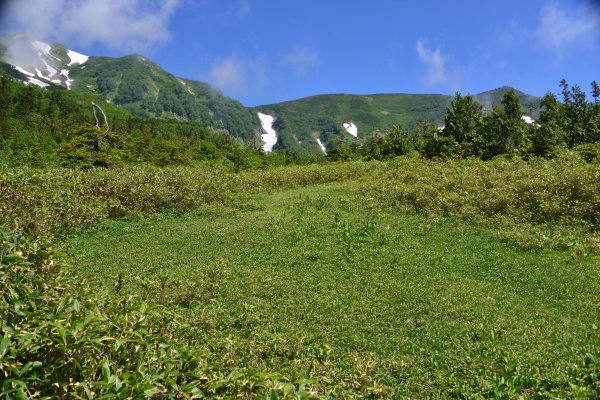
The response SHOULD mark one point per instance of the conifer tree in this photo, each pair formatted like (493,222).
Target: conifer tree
(595,91)
(550,136)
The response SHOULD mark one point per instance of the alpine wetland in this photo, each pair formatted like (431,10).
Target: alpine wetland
(255,199)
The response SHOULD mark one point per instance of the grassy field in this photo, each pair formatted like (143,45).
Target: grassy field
(352,299)
(406,278)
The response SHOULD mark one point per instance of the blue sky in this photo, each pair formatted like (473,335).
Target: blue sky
(266,51)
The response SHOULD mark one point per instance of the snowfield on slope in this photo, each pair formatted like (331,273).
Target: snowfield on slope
(323,148)
(270,137)
(77,58)
(37,82)
(351,128)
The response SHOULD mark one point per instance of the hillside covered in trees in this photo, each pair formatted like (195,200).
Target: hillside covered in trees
(41,127)
(471,131)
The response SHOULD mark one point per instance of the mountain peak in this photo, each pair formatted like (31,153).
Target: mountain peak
(39,62)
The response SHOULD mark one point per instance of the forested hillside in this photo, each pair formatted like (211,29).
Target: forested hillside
(468,130)
(41,127)
(146,90)
(133,81)
(299,123)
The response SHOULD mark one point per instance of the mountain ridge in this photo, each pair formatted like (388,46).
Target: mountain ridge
(313,123)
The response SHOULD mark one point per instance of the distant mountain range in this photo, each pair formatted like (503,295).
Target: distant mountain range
(299,123)
(309,124)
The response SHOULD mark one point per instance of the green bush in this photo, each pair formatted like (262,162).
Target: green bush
(538,202)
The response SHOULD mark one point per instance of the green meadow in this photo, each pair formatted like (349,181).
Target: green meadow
(400,279)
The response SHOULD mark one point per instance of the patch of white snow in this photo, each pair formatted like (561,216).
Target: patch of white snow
(270,137)
(76,58)
(528,120)
(41,46)
(37,82)
(185,86)
(21,70)
(323,149)
(69,81)
(351,128)
(49,68)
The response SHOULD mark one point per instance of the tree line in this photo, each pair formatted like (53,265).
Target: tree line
(469,131)
(40,127)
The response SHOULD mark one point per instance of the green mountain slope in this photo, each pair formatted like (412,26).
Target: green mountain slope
(134,82)
(530,104)
(145,89)
(299,123)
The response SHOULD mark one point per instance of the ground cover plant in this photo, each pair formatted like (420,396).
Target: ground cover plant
(360,301)
(261,284)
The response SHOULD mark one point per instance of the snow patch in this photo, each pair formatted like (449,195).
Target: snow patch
(37,82)
(76,58)
(49,68)
(528,120)
(21,70)
(69,81)
(185,86)
(41,47)
(270,137)
(351,128)
(323,149)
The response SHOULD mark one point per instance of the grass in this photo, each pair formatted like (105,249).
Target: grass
(319,283)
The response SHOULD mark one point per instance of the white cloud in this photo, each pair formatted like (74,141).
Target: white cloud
(434,62)
(560,29)
(237,76)
(303,59)
(127,25)
(227,73)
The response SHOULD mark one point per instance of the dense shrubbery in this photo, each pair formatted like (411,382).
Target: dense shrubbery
(51,201)
(537,203)
(59,339)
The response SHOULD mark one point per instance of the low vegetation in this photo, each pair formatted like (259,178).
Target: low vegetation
(338,291)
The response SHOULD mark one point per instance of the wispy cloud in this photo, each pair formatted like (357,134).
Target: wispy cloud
(241,9)
(434,62)
(560,28)
(557,30)
(237,76)
(303,59)
(125,25)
